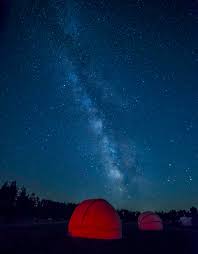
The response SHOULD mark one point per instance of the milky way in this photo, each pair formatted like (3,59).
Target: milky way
(107,147)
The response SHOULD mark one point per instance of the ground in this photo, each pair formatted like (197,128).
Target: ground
(52,238)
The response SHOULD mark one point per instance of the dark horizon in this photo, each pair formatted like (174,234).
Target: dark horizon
(30,192)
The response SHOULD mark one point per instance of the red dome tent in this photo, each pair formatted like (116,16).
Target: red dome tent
(150,221)
(96,219)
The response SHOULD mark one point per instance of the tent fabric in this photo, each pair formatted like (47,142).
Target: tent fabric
(96,219)
(186,221)
(150,221)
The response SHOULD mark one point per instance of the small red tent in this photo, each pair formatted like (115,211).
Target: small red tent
(96,219)
(150,221)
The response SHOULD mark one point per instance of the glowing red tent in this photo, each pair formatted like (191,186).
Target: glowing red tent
(150,221)
(96,219)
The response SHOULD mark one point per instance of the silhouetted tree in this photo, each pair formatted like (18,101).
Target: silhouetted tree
(193,210)
(194,214)
(23,203)
(8,196)
(128,216)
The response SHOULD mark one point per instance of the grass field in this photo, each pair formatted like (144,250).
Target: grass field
(52,238)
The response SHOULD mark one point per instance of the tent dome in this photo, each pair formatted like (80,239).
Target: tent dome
(150,221)
(186,221)
(96,219)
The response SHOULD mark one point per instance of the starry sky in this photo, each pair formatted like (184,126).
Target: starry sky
(99,98)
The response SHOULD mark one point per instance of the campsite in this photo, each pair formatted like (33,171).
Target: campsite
(98,127)
(96,227)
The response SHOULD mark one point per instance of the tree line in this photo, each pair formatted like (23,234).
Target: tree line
(16,203)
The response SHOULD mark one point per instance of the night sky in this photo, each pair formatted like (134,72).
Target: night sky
(99,98)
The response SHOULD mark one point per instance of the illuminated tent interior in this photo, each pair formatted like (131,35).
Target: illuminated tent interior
(96,219)
(150,221)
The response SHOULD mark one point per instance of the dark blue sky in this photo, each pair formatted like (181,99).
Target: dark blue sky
(99,99)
